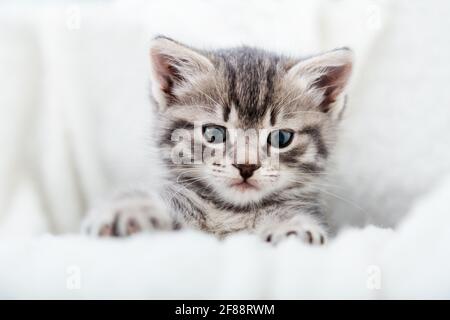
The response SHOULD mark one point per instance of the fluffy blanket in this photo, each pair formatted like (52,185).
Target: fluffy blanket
(369,263)
(76,116)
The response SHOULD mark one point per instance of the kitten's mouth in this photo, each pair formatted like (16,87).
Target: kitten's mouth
(244,186)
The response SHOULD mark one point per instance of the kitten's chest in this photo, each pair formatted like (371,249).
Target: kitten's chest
(222,222)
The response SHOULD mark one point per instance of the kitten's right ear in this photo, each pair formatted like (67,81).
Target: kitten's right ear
(325,76)
(173,67)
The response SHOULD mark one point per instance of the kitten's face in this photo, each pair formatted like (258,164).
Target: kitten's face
(255,123)
(270,159)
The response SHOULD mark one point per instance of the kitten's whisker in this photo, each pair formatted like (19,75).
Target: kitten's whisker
(305,182)
(348,201)
(312,173)
(183,166)
(302,112)
(184,173)
(281,102)
(207,95)
(191,180)
(296,98)
(202,179)
(218,91)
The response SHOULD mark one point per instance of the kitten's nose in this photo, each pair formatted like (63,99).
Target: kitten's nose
(246,170)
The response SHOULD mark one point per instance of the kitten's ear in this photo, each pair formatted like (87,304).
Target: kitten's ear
(173,67)
(326,76)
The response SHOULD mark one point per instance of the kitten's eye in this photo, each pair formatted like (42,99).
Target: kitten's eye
(214,133)
(280,138)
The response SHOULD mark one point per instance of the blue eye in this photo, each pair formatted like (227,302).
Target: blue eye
(214,133)
(280,138)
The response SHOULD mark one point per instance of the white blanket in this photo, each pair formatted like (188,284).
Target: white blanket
(412,262)
(75,117)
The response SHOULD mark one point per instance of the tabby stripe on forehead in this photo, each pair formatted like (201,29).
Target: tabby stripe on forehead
(270,74)
(226,113)
(273,117)
(231,79)
(316,136)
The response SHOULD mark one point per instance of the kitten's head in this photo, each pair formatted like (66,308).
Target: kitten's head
(249,123)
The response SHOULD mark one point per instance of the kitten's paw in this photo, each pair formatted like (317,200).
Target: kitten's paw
(124,217)
(309,233)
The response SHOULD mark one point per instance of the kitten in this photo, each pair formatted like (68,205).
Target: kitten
(244,136)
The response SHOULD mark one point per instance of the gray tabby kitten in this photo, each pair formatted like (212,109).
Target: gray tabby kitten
(215,98)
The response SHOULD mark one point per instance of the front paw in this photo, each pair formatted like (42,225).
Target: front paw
(126,216)
(313,234)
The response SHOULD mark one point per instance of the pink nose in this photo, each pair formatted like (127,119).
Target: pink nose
(246,170)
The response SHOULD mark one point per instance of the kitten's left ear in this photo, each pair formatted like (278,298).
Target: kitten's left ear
(326,77)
